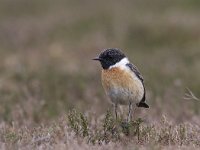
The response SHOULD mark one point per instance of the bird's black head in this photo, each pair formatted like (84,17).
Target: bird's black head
(110,57)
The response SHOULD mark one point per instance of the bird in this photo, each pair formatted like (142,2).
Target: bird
(121,80)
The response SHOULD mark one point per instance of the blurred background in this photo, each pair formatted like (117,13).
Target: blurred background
(46,47)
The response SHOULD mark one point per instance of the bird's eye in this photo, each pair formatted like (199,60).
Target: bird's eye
(109,57)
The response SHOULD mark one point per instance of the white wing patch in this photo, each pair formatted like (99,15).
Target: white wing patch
(121,64)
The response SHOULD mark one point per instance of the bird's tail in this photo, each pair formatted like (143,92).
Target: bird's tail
(142,104)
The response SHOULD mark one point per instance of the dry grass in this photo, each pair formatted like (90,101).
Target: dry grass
(77,131)
(46,71)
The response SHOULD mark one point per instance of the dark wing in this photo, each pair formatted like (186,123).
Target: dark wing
(136,71)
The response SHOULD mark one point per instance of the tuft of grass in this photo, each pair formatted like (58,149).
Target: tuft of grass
(73,119)
(110,127)
(84,125)
(78,122)
(11,137)
(182,133)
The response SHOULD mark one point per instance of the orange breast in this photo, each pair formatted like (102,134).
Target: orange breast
(124,83)
(116,77)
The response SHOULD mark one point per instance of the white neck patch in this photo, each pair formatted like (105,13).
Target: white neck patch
(122,63)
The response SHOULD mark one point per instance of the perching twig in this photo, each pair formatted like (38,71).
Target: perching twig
(189,95)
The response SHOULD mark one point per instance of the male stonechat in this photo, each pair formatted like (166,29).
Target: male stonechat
(121,80)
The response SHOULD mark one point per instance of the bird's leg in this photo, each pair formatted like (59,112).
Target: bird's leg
(129,112)
(115,109)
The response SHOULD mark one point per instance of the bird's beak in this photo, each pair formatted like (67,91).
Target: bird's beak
(97,58)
